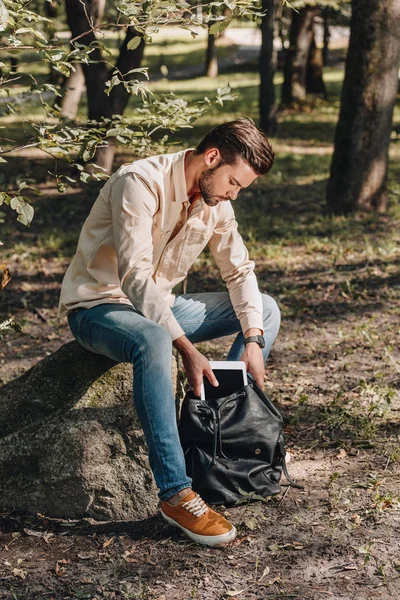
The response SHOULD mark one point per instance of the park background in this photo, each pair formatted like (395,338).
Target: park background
(332,265)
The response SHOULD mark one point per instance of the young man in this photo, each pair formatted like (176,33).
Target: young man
(149,223)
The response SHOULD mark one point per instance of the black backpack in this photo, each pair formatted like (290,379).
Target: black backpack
(234,446)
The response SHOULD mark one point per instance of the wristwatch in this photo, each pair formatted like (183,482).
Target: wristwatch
(255,338)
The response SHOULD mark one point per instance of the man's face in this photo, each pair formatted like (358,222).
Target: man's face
(218,183)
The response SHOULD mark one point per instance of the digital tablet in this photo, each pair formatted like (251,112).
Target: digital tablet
(231,376)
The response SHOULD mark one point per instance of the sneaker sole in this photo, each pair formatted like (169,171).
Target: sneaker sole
(205,540)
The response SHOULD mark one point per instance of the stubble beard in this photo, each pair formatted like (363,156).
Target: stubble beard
(206,187)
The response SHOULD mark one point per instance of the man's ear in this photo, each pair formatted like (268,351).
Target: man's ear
(212,157)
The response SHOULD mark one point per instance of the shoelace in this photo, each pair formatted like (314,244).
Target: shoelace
(196,506)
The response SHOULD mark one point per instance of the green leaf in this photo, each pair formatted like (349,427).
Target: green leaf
(4,17)
(143,70)
(224,25)
(118,131)
(25,211)
(84,176)
(24,30)
(39,35)
(134,43)
(215,28)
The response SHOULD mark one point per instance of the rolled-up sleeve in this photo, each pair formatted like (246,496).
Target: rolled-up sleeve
(237,270)
(133,206)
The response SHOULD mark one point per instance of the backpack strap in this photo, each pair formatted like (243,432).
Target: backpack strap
(290,480)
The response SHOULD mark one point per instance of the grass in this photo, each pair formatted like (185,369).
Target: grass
(283,217)
(333,372)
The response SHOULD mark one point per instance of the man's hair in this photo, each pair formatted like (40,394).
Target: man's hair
(240,139)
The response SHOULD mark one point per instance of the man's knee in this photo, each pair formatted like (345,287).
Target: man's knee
(271,311)
(154,342)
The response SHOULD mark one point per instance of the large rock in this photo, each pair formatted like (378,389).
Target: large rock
(71,445)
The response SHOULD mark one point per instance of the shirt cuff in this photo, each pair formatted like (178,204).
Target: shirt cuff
(252,320)
(173,328)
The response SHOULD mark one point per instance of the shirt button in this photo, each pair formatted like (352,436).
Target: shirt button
(162,236)
(161,274)
(179,224)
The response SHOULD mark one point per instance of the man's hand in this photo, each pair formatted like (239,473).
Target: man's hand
(254,360)
(195,364)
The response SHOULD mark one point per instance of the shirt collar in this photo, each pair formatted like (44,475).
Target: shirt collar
(178,170)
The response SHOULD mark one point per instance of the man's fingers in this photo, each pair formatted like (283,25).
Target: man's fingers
(259,381)
(197,389)
(211,378)
(258,378)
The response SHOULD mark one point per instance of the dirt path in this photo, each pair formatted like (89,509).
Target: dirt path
(335,375)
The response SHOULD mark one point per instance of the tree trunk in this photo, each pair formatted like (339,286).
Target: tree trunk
(314,81)
(211,66)
(127,60)
(50,10)
(360,160)
(301,34)
(73,90)
(327,37)
(118,99)
(82,16)
(268,60)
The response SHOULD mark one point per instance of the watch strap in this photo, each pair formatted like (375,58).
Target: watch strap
(258,339)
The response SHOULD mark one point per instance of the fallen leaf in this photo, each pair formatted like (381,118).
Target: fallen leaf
(251,523)
(60,571)
(33,532)
(5,277)
(19,573)
(108,542)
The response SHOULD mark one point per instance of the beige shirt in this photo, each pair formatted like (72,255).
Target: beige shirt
(142,236)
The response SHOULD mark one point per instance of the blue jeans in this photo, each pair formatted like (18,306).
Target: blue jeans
(121,333)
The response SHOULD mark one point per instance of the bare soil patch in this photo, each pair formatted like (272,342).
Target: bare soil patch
(334,373)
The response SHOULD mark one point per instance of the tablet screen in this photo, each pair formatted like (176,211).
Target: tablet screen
(229,382)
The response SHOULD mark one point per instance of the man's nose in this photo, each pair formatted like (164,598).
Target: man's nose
(233,194)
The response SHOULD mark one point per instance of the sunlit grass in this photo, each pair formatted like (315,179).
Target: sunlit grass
(284,216)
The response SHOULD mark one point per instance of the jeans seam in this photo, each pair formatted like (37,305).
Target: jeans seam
(143,391)
(147,413)
(143,394)
(174,491)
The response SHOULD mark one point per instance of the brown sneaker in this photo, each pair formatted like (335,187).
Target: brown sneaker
(198,521)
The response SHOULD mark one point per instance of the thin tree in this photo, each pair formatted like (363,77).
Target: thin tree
(211,62)
(327,35)
(300,39)
(360,161)
(268,61)
(83,16)
(314,81)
